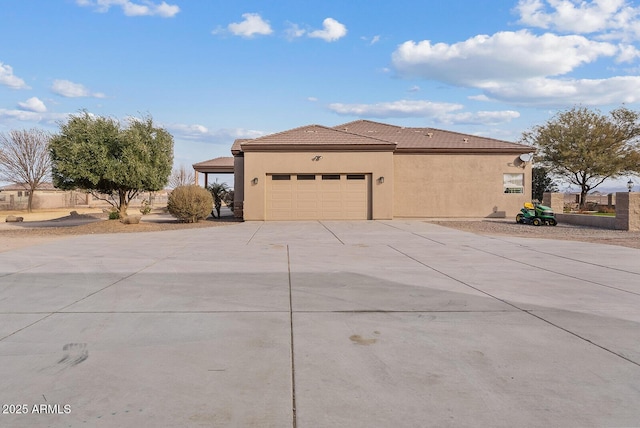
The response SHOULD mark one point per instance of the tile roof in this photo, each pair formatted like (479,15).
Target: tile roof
(235,148)
(222,164)
(313,136)
(366,134)
(431,139)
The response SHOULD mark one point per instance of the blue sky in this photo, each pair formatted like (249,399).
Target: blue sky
(213,71)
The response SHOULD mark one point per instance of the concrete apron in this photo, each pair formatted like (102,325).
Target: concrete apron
(319,324)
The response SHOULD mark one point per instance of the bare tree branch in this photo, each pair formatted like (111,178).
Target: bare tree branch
(182,176)
(24,159)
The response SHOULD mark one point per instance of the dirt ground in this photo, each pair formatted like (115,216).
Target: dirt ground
(561,232)
(42,226)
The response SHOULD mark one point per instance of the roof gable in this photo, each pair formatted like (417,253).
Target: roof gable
(316,136)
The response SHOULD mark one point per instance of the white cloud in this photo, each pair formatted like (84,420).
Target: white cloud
(528,69)
(293,31)
(32,116)
(372,41)
(479,117)
(33,104)
(69,89)
(253,24)
(332,30)
(447,113)
(166,10)
(130,8)
(562,92)
(488,61)
(627,53)
(196,132)
(608,18)
(402,108)
(9,79)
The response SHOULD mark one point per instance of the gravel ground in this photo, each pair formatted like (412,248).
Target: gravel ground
(561,231)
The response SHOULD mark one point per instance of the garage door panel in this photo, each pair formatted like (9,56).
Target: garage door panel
(281,205)
(281,196)
(307,196)
(320,196)
(335,204)
(307,205)
(307,215)
(331,197)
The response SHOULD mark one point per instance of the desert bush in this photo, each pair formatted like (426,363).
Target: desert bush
(114,215)
(604,209)
(145,207)
(190,204)
(228,199)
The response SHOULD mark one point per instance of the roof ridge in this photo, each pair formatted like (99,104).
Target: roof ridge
(384,140)
(323,127)
(286,131)
(353,122)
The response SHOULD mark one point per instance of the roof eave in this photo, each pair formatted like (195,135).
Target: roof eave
(265,147)
(465,150)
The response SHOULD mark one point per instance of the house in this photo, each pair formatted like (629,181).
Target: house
(371,170)
(46,196)
(16,197)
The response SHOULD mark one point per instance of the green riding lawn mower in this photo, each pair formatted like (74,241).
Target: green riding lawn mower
(536,215)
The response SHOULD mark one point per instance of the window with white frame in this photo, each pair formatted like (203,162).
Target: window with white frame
(513,183)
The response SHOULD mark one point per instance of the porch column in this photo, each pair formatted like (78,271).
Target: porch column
(628,211)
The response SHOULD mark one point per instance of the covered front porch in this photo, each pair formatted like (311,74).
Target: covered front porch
(221,165)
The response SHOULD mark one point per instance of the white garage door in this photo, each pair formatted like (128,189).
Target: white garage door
(318,197)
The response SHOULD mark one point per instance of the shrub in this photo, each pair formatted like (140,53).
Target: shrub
(606,209)
(145,207)
(114,215)
(228,199)
(190,204)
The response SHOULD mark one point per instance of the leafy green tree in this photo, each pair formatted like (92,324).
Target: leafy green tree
(542,182)
(219,192)
(586,148)
(99,155)
(24,159)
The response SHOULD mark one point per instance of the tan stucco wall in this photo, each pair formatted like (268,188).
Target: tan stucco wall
(238,184)
(259,164)
(449,185)
(628,211)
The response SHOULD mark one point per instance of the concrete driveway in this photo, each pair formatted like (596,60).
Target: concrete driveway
(319,324)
